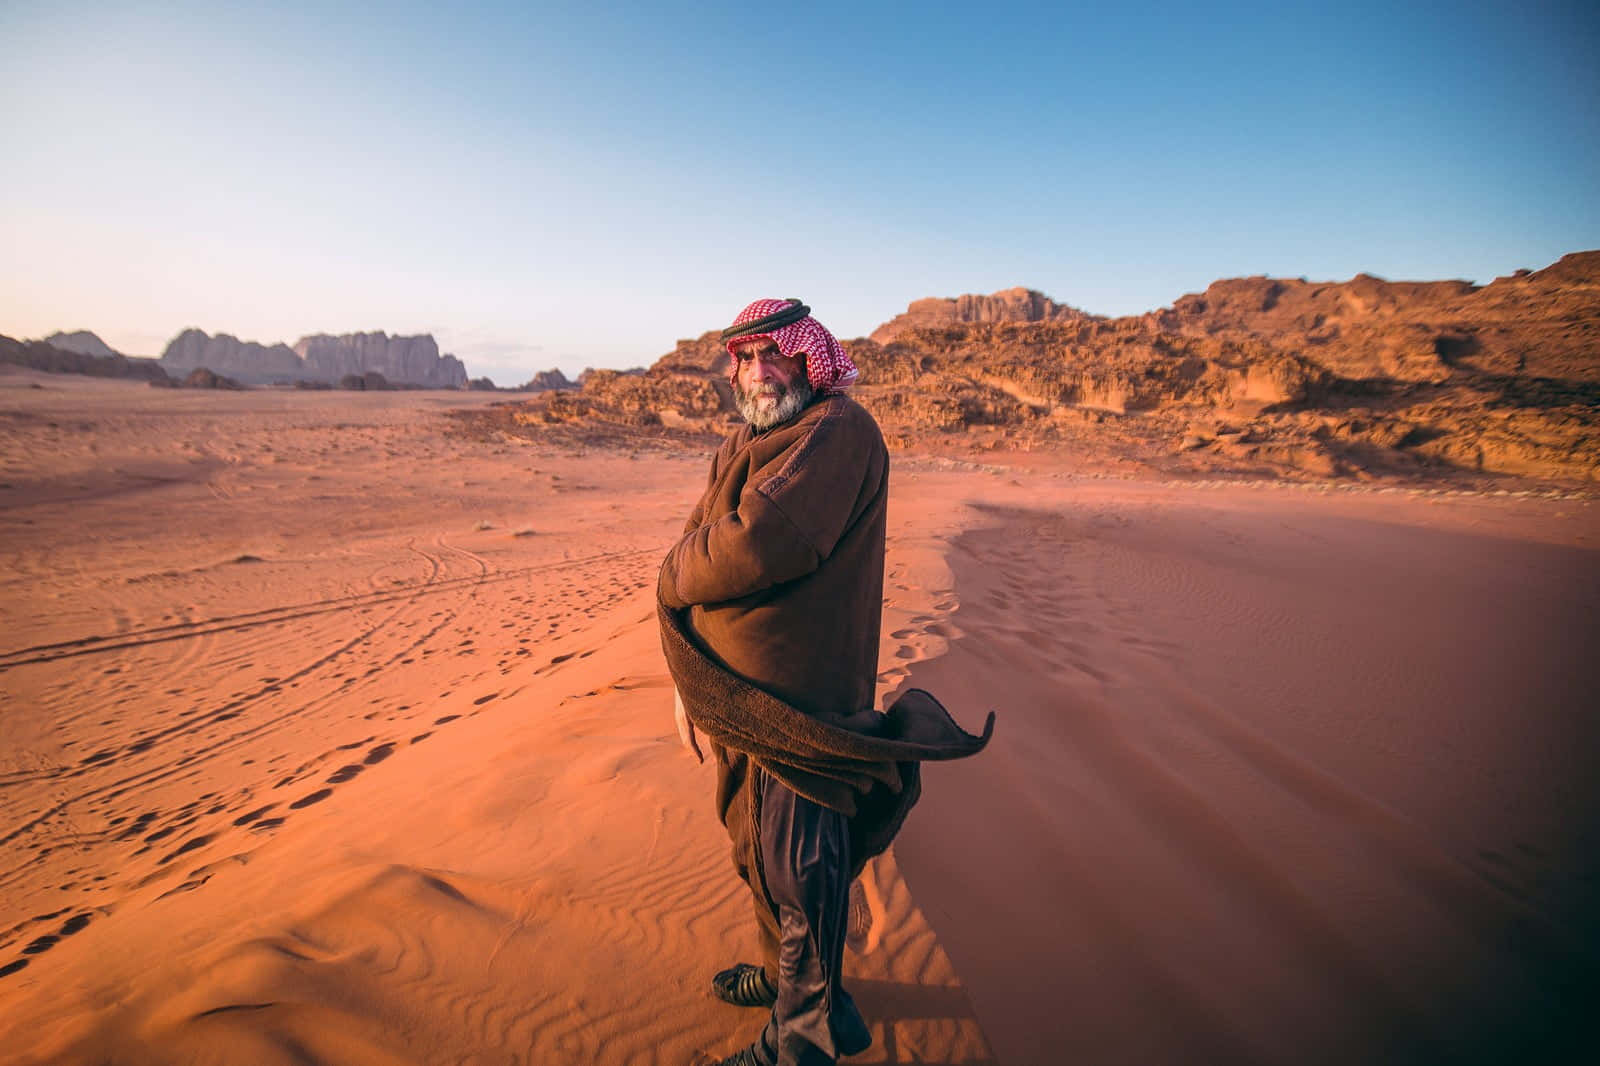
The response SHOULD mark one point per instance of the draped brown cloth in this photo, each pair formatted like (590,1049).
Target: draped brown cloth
(861,763)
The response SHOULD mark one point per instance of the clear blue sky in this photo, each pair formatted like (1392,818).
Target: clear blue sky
(569,185)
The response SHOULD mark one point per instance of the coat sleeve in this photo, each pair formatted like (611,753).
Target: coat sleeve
(786,523)
(699,513)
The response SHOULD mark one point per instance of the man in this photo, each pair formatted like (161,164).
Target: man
(770,608)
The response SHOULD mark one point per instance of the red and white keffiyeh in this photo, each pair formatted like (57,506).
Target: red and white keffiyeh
(828,365)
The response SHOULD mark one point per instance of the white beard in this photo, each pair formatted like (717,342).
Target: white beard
(771,405)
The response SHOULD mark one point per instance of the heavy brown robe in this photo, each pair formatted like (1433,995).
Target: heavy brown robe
(771,604)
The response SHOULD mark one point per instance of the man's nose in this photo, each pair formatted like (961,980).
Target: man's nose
(761,370)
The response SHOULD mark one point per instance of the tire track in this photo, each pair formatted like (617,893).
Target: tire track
(225,712)
(232,708)
(187,630)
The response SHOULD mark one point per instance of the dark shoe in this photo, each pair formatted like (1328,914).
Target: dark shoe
(744,986)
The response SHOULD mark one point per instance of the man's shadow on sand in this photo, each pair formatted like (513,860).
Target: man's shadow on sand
(893,1002)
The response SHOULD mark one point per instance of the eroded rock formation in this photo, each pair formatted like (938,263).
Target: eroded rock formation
(1010,305)
(403,360)
(546,379)
(1258,376)
(204,378)
(244,361)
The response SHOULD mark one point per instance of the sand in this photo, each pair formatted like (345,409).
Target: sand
(328,736)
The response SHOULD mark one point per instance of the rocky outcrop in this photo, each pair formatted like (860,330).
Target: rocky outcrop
(546,379)
(602,374)
(83,342)
(371,381)
(706,354)
(244,361)
(1530,323)
(39,355)
(1011,305)
(402,360)
(203,378)
(1255,376)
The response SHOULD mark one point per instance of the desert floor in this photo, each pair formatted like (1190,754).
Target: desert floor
(327,736)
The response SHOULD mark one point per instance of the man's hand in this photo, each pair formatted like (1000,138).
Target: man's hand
(685,727)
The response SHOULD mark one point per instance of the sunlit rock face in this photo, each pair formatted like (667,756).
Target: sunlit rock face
(1254,376)
(1011,305)
(547,379)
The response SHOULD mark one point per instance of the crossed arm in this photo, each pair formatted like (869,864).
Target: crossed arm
(784,527)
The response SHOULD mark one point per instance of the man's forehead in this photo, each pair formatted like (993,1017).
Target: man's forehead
(755,344)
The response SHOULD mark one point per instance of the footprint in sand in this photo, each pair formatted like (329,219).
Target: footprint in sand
(305,801)
(186,847)
(246,819)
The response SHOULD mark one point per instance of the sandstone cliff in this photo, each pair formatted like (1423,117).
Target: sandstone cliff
(413,361)
(1255,376)
(403,360)
(546,379)
(244,361)
(1011,305)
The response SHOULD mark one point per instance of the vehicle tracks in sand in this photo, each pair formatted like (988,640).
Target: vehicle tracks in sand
(188,630)
(181,806)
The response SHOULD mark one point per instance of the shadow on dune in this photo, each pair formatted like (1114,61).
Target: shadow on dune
(887,1003)
(1296,787)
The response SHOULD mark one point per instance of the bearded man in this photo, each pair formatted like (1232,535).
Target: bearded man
(770,606)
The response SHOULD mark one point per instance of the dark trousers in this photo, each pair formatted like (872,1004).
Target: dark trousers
(805,865)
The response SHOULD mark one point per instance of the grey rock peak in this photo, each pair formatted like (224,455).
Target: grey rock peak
(409,360)
(319,357)
(81,341)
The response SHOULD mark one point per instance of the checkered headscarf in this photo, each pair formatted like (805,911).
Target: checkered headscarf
(828,365)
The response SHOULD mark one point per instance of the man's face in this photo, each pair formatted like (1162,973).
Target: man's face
(769,387)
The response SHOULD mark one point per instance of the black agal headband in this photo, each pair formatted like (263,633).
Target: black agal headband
(777,320)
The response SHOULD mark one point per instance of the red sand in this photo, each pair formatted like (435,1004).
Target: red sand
(328,737)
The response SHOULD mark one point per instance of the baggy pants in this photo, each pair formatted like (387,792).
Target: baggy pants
(805,866)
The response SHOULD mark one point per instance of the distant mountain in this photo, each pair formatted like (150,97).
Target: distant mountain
(39,355)
(83,342)
(413,361)
(403,360)
(244,361)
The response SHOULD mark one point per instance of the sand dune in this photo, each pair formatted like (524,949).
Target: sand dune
(331,737)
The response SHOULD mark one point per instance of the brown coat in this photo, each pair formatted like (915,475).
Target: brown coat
(770,605)
(781,562)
